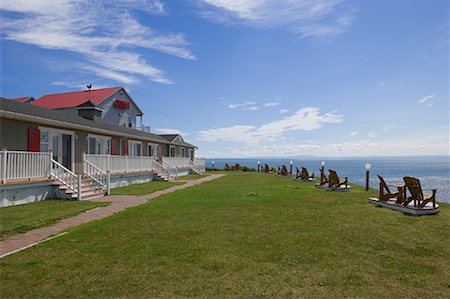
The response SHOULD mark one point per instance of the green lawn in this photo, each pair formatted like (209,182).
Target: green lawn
(22,218)
(192,176)
(247,235)
(142,189)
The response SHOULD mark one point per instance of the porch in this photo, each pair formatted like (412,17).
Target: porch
(21,167)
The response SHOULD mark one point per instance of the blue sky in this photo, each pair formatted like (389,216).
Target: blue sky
(243,78)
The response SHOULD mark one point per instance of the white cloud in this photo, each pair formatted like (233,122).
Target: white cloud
(372,135)
(240,105)
(354,133)
(104,33)
(252,108)
(306,119)
(271,104)
(307,18)
(426,99)
(282,111)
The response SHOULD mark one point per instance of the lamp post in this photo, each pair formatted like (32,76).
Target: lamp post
(290,168)
(322,173)
(259,166)
(368,166)
(213,165)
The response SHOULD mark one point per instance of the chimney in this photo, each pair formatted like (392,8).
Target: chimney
(89,111)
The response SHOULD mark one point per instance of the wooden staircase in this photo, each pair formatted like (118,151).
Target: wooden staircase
(89,189)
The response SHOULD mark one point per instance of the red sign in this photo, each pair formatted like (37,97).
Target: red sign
(121,104)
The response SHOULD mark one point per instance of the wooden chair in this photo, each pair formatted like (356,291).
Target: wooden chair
(323,178)
(305,174)
(416,191)
(284,170)
(227,167)
(237,167)
(386,194)
(334,181)
(266,168)
(297,173)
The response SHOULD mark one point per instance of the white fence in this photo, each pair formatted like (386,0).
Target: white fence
(200,162)
(178,162)
(120,164)
(24,165)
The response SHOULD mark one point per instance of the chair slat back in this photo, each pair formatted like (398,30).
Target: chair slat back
(334,179)
(413,186)
(383,183)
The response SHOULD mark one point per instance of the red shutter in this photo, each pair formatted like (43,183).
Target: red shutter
(113,147)
(125,147)
(34,140)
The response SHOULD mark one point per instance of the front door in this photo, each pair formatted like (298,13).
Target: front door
(66,151)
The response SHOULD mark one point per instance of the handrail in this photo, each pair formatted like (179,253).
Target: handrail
(89,173)
(162,169)
(65,176)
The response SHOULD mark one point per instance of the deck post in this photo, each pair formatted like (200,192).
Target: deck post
(5,160)
(108,163)
(79,187)
(50,164)
(108,182)
(126,163)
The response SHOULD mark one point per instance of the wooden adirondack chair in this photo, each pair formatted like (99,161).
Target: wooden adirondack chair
(305,174)
(334,181)
(414,188)
(386,194)
(266,168)
(323,178)
(237,167)
(227,167)
(284,170)
(297,173)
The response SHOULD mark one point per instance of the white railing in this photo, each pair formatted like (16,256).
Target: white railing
(179,162)
(97,175)
(24,165)
(199,164)
(67,177)
(171,169)
(158,168)
(120,164)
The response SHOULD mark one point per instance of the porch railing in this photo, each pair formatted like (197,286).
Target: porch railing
(178,162)
(199,164)
(24,165)
(67,177)
(96,174)
(117,164)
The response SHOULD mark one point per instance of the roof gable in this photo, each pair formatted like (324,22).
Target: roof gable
(73,99)
(23,99)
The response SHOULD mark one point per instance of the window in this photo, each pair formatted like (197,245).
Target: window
(182,152)
(172,152)
(130,122)
(44,141)
(98,145)
(135,148)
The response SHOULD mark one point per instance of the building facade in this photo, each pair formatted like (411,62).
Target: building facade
(99,130)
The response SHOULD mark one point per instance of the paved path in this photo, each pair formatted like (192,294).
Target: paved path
(118,203)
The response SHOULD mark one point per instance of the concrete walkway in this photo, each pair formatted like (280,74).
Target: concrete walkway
(118,203)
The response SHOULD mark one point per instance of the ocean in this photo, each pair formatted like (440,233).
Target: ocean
(433,172)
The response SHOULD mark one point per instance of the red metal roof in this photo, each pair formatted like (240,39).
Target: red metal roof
(21,100)
(73,99)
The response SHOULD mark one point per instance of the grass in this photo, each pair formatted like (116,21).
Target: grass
(22,218)
(244,235)
(143,189)
(192,176)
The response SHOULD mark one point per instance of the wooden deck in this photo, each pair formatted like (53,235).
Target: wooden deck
(409,209)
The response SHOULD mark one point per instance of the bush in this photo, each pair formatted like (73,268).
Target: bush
(249,169)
